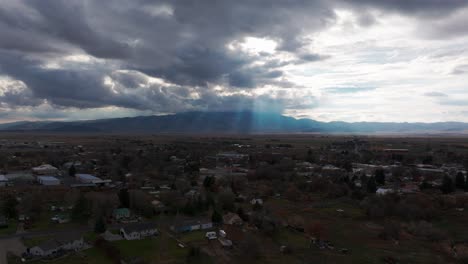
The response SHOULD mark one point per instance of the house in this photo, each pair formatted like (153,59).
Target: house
(191,225)
(410,188)
(3,180)
(75,164)
(69,241)
(87,178)
(121,213)
(232,219)
(46,248)
(45,169)
(383,191)
(48,180)
(138,231)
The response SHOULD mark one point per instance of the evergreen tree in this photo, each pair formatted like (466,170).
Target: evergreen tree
(447,185)
(124,198)
(380,176)
(371,185)
(460,180)
(9,207)
(466,186)
(99,226)
(216,217)
(78,213)
(72,171)
(208,181)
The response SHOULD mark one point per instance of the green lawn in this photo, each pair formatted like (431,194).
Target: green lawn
(193,237)
(289,237)
(151,249)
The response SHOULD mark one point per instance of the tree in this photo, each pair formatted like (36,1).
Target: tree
(80,209)
(216,217)
(100,225)
(380,176)
(447,185)
(9,207)
(466,186)
(124,198)
(242,214)
(371,185)
(226,199)
(72,171)
(208,181)
(460,180)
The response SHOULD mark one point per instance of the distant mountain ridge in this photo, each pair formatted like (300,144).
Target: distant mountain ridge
(229,122)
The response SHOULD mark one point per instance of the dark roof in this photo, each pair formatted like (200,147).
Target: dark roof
(49,245)
(138,227)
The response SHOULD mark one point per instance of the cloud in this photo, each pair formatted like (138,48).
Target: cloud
(435,94)
(348,90)
(170,56)
(460,69)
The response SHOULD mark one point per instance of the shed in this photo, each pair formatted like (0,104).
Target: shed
(87,178)
(48,180)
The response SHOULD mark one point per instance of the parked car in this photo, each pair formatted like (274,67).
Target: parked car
(211,235)
(222,233)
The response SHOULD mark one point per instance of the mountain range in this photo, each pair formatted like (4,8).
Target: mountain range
(228,122)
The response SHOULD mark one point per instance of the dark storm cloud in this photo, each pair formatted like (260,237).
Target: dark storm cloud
(412,7)
(184,42)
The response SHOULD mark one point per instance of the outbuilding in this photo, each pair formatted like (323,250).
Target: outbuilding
(48,180)
(87,178)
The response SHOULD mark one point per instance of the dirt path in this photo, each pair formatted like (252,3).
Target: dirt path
(13,245)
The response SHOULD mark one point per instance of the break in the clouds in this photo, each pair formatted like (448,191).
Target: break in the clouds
(351,60)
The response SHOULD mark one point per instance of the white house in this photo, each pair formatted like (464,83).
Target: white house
(138,231)
(46,248)
(45,169)
(48,180)
(69,241)
(383,191)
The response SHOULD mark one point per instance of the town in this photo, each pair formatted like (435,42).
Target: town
(230,199)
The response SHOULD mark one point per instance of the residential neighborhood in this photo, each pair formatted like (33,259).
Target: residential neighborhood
(208,200)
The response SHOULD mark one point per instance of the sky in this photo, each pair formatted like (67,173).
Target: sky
(328,60)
